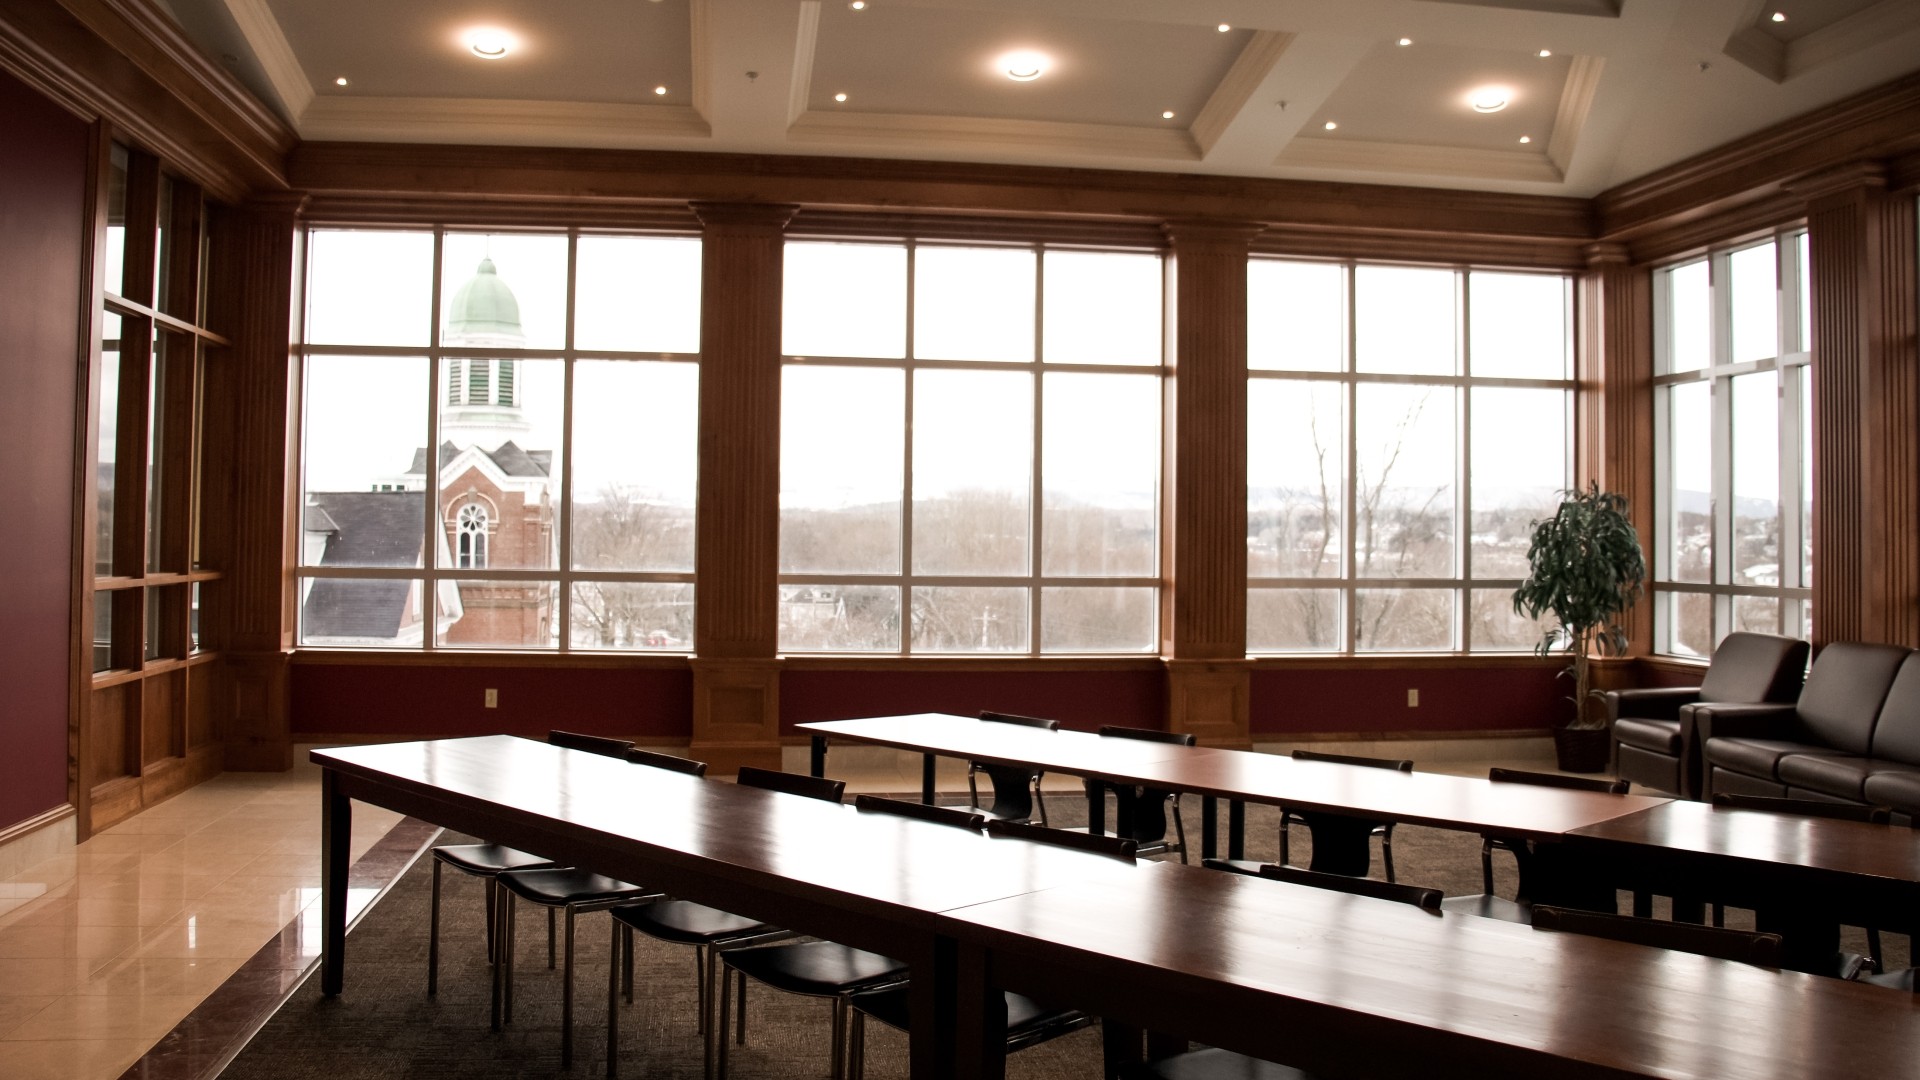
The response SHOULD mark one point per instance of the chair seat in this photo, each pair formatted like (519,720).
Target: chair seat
(568,885)
(687,923)
(1213,1064)
(1486,906)
(1843,776)
(1754,757)
(488,858)
(1025,1016)
(817,968)
(1661,736)
(1900,790)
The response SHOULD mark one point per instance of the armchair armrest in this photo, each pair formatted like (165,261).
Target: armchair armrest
(1652,703)
(1711,720)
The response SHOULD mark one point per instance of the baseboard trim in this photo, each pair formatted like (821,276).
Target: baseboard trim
(35,823)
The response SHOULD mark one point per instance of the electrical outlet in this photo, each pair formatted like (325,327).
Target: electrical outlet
(493,698)
(1413,698)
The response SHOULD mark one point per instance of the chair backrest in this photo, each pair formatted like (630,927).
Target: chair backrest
(592,744)
(1844,692)
(1748,669)
(1012,788)
(1896,736)
(1232,866)
(1349,759)
(1576,783)
(1426,899)
(939,815)
(1873,815)
(1022,721)
(670,762)
(1100,844)
(813,787)
(1177,738)
(1745,946)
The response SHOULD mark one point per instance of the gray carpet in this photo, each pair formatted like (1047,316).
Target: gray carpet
(386,1028)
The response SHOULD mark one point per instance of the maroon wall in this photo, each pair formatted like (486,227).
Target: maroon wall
(43,173)
(432,702)
(1367,701)
(1079,699)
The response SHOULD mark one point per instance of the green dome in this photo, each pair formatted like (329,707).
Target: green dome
(484,305)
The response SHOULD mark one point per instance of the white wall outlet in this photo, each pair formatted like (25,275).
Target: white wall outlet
(493,698)
(1413,698)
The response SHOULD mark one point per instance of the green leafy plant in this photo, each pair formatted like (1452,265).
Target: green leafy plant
(1584,569)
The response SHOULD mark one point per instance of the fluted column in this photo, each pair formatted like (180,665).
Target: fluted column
(1614,418)
(736,689)
(1866,405)
(1203,623)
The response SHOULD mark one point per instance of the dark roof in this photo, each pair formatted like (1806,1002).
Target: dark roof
(419,466)
(368,528)
(509,458)
(314,519)
(346,608)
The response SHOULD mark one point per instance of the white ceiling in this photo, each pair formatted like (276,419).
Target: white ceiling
(1630,85)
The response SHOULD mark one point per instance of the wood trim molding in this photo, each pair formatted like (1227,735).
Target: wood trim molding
(1311,152)
(500,122)
(1576,103)
(448,658)
(35,823)
(1565,254)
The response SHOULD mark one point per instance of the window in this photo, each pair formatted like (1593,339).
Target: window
(547,502)
(970,449)
(1733,394)
(1406,425)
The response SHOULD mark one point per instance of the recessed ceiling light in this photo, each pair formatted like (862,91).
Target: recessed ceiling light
(1168,115)
(1779,16)
(839,97)
(858,5)
(660,90)
(1544,53)
(489,44)
(1224,27)
(1489,99)
(1023,66)
(1331,125)
(1405,41)
(341,81)
(1526,138)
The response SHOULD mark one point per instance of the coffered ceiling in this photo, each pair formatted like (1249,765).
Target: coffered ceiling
(1595,92)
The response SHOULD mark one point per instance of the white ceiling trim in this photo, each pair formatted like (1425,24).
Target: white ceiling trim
(1576,101)
(702,67)
(1412,159)
(805,40)
(1230,99)
(486,120)
(1780,61)
(962,133)
(270,46)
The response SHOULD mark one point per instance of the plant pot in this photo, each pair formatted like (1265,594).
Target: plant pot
(1581,750)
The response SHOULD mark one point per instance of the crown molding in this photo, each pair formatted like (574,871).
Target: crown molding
(969,133)
(1576,102)
(270,46)
(1417,160)
(502,123)
(1781,61)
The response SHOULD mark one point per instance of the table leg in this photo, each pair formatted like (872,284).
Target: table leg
(926,779)
(1236,829)
(336,829)
(978,1036)
(818,765)
(1096,806)
(1119,1047)
(1209,827)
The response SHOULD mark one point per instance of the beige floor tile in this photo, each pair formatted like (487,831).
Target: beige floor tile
(112,843)
(66,1060)
(296,865)
(96,1019)
(58,939)
(15,1011)
(193,939)
(143,975)
(44,975)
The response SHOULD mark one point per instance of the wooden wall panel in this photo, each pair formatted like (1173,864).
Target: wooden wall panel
(113,721)
(1614,421)
(162,718)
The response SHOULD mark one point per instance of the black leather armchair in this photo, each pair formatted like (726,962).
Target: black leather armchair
(1654,740)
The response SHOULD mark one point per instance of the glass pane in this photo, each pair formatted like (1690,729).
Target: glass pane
(163,246)
(369,288)
(1519,467)
(503,290)
(156,445)
(1403,620)
(1097,620)
(632,616)
(969,620)
(497,615)
(155,632)
(500,467)
(1498,628)
(1756,614)
(1100,458)
(1756,479)
(1293,620)
(102,632)
(635,464)
(1805,375)
(351,612)
(365,459)
(638,293)
(1404,320)
(1689,317)
(839,618)
(1521,326)
(973,303)
(1804,277)
(840,481)
(1296,316)
(972,474)
(1405,497)
(108,454)
(193,617)
(1296,469)
(1102,307)
(1689,624)
(116,255)
(1690,513)
(1755,293)
(845,300)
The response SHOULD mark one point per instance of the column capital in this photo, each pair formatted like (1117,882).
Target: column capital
(1203,232)
(1607,253)
(1848,181)
(744,215)
(289,204)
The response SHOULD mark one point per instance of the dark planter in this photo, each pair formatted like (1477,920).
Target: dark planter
(1581,750)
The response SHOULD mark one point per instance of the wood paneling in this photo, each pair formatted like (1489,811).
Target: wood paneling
(162,718)
(113,748)
(736,714)
(1614,424)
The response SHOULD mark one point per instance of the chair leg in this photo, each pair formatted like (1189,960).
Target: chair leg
(857,1047)
(499,946)
(626,959)
(1386,851)
(1179,828)
(700,972)
(1285,823)
(718,1037)
(566,998)
(509,939)
(1039,803)
(550,941)
(613,997)
(1486,865)
(433,934)
(493,909)
(837,1070)
(973,788)
(1877,956)
(740,1034)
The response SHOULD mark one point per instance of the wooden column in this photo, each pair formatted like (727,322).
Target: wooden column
(1203,610)
(1613,417)
(1866,406)
(736,678)
(252,452)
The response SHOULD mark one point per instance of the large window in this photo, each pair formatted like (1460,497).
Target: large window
(1734,398)
(1406,425)
(970,449)
(499,440)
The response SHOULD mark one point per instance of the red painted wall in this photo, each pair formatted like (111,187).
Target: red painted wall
(1078,699)
(433,702)
(43,172)
(1368,701)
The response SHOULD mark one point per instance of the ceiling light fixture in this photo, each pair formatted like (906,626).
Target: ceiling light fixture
(1023,66)
(1779,16)
(1331,125)
(1526,138)
(1489,99)
(341,81)
(489,44)
(1405,41)
(660,90)
(1544,53)
(839,97)
(858,5)
(1224,27)
(1168,115)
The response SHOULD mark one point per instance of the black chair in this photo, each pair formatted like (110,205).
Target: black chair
(1029,1023)
(1845,964)
(1016,788)
(1745,946)
(709,930)
(573,892)
(1381,829)
(825,969)
(1486,904)
(1141,813)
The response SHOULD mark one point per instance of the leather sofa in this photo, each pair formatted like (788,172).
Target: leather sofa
(1654,743)
(1857,719)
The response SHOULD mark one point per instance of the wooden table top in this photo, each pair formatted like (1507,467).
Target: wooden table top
(1350,985)
(1857,849)
(1080,753)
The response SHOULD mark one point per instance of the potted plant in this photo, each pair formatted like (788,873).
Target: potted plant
(1584,569)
